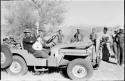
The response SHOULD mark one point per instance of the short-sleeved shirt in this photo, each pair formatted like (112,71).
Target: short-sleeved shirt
(104,37)
(78,37)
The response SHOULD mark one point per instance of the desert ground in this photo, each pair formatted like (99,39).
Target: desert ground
(106,71)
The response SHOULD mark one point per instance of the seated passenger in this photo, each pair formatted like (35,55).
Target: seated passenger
(28,41)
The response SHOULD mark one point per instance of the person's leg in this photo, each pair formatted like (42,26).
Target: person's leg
(97,46)
(54,50)
(122,54)
(94,52)
(42,53)
(98,49)
(94,55)
(115,51)
(118,54)
(109,49)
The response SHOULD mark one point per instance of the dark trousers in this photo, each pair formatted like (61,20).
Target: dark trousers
(44,53)
(121,54)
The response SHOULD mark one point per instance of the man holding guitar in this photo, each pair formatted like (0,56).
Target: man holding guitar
(30,41)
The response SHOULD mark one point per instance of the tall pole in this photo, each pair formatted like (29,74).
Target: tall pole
(38,17)
(37,25)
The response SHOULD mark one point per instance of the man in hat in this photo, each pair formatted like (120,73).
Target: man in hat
(106,39)
(121,40)
(115,43)
(93,37)
(121,46)
(28,41)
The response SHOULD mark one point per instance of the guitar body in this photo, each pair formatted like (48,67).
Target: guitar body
(37,45)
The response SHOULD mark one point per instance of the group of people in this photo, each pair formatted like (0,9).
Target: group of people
(116,42)
(104,38)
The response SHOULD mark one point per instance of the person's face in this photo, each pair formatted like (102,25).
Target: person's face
(121,30)
(28,34)
(41,33)
(60,31)
(93,30)
(105,31)
(115,32)
(78,31)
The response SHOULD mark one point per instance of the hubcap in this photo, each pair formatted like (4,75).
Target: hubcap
(15,67)
(79,71)
(3,58)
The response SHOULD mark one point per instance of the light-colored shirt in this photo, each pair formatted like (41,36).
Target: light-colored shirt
(101,35)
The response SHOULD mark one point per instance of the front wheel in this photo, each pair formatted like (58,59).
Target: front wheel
(80,69)
(6,56)
(18,66)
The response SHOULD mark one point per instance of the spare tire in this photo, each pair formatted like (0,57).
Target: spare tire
(6,56)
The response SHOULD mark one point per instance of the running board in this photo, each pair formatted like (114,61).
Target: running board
(42,69)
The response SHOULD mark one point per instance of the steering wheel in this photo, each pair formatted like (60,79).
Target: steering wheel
(51,39)
(50,43)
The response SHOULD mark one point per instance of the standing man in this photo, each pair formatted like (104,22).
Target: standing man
(95,56)
(121,46)
(104,38)
(115,44)
(77,37)
(60,36)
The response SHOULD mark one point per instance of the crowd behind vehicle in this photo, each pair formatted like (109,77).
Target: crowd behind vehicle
(53,52)
(114,43)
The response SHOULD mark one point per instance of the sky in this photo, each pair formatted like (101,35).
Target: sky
(96,12)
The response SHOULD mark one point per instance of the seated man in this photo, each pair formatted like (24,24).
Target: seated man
(28,41)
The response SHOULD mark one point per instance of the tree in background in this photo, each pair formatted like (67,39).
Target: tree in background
(51,13)
(22,15)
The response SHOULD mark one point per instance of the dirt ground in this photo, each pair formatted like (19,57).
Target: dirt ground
(106,71)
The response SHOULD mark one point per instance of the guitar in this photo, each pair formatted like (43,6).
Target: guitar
(38,45)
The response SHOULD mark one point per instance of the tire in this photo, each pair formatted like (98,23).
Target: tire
(18,66)
(6,56)
(80,64)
